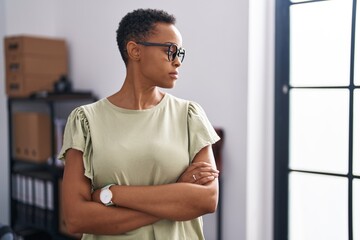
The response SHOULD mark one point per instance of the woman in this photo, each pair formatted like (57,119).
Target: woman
(139,163)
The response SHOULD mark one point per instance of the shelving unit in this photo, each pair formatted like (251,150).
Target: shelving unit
(34,185)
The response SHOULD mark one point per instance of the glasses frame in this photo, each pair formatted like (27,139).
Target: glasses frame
(179,53)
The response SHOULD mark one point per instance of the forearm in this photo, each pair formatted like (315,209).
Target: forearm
(178,201)
(194,194)
(95,218)
(82,215)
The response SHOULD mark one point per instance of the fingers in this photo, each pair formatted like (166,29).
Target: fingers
(205,180)
(207,169)
(203,173)
(199,173)
(201,167)
(204,177)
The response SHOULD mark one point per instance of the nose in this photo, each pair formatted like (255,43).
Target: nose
(177,62)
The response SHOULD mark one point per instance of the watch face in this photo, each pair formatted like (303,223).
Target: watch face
(105,196)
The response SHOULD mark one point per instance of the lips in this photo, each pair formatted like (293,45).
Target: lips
(174,74)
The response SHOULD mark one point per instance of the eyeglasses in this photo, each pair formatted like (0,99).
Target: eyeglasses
(172,52)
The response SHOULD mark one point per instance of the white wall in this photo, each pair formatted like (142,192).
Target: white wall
(214,73)
(30,17)
(260,163)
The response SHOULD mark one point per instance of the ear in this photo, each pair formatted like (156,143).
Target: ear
(133,50)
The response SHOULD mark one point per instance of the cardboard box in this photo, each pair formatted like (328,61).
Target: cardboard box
(23,86)
(32,136)
(31,45)
(33,64)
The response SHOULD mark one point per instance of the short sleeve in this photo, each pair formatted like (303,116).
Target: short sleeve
(201,132)
(77,136)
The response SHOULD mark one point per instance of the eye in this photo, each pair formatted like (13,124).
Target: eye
(172,49)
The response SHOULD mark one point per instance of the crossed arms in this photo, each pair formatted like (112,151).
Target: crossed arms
(137,206)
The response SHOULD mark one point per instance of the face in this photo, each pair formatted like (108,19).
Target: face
(155,67)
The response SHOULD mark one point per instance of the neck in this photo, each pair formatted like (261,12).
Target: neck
(135,95)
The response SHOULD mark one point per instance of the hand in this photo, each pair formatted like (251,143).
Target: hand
(199,173)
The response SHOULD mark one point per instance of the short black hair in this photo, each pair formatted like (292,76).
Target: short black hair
(138,25)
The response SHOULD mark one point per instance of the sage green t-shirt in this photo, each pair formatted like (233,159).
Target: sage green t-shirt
(140,147)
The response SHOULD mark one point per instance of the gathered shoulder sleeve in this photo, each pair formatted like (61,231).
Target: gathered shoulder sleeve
(77,136)
(201,132)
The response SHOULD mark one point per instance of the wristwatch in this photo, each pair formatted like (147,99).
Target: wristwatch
(106,195)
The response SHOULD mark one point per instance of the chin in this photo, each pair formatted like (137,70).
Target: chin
(168,85)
